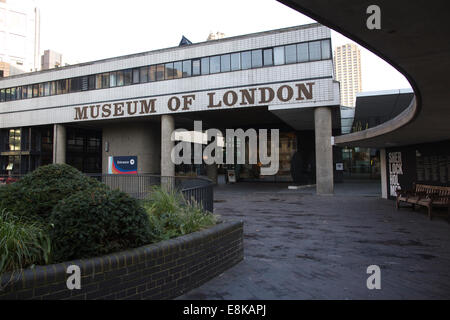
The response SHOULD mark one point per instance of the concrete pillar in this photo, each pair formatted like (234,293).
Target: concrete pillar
(383,173)
(167,166)
(324,151)
(59,143)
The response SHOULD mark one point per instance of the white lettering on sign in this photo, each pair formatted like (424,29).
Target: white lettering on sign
(395,168)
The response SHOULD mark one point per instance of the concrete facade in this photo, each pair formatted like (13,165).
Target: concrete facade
(59,143)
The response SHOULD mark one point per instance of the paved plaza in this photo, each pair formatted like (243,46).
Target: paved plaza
(302,246)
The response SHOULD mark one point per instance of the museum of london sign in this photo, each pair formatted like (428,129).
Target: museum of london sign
(295,93)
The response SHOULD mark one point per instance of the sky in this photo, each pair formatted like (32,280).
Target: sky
(86,30)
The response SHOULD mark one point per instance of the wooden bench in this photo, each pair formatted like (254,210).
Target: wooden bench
(425,196)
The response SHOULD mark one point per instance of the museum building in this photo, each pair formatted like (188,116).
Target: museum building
(89,114)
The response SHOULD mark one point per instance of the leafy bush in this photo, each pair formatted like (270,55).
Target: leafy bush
(95,222)
(38,192)
(22,243)
(170,215)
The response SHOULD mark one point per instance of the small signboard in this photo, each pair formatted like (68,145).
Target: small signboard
(339,166)
(122,165)
(231,176)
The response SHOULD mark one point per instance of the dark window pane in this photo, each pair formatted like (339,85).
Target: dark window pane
(75,84)
(127,77)
(2,95)
(119,78)
(214,64)
(91,82)
(246,60)
(268,57)
(36,90)
(187,68)
(302,52)
(196,67)
(41,89)
(291,53)
(19,93)
(225,63)
(113,79)
(160,72)
(177,69)
(52,88)
(326,49)
(168,75)
(136,73)
(152,73)
(144,74)
(314,50)
(235,61)
(105,80)
(256,58)
(205,65)
(84,83)
(13,94)
(7,94)
(278,56)
(24,92)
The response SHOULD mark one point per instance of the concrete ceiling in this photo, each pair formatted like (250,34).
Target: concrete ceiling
(414,39)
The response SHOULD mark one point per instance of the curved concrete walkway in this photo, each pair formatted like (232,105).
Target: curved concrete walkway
(302,246)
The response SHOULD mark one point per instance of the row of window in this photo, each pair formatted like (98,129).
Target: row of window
(294,53)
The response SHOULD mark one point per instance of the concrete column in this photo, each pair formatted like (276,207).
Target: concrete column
(383,173)
(324,151)
(59,143)
(167,166)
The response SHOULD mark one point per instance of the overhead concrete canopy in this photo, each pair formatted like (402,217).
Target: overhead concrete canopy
(414,39)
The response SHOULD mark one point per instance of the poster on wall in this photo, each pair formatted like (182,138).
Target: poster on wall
(122,165)
(395,169)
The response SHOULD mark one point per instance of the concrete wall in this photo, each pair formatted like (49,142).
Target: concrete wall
(141,139)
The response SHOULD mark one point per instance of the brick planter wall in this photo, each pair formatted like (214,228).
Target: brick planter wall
(159,271)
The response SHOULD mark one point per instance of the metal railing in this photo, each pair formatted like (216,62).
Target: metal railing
(196,189)
(138,186)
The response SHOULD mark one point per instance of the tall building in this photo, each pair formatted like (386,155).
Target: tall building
(347,65)
(20,35)
(51,59)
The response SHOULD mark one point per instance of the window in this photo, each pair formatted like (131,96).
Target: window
(214,64)
(326,49)
(291,53)
(127,77)
(314,51)
(257,58)
(268,57)
(24,92)
(13,94)
(168,71)
(75,84)
(246,60)
(136,74)
(160,72)
(29,91)
(187,68)
(7,94)
(119,78)
(278,56)
(177,70)
(225,63)
(36,90)
(144,74)
(52,88)
(105,80)
(113,79)
(235,61)
(19,93)
(196,67)
(205,65)
(14,139)
(46,89)
(61,87)
(152,73)
(91,82)
(98,81)
(302,52)
(2,95)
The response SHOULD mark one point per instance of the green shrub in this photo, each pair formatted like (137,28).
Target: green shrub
(170,215)
(95,222)
(38,192)
(22,243)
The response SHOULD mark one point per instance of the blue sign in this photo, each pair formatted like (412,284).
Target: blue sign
(122,165)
